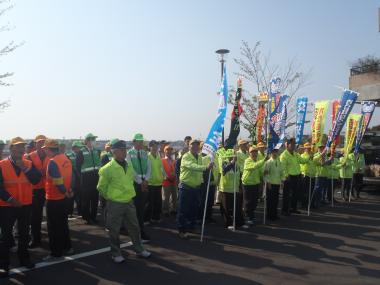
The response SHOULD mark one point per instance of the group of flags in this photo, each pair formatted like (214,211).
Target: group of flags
(272,116)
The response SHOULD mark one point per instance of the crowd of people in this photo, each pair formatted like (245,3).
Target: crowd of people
(148,183)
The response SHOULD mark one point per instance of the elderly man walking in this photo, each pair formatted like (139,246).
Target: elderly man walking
(116,186)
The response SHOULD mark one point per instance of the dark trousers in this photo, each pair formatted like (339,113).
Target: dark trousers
(251,195)
(188,203)
(346,187)
(210,201)
(58,227)
(320,186)
(272,201)
(227,209)
(291,193)
(154,203)
(90,195)
(330,186)
(306,181)
(140,201)
(358,183)
(37,212)
(8,217)
(75,199)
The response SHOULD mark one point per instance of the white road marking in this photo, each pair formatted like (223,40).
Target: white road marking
(66,259)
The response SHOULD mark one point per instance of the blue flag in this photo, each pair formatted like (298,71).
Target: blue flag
(300,121)
(346,104)
(215,135)
(368,107)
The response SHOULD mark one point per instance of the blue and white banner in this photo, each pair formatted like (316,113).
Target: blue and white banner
(346,104)
(277,121)
(300,119)
(368,107)
(215,135)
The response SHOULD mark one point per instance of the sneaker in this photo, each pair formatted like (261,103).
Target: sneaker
(147,223)
(245,226)
(231,228)
(251,222)
(118,259)
(144,254)
(183,235)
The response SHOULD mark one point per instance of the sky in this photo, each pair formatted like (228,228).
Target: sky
(118,67)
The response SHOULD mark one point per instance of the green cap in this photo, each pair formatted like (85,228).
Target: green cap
(138,137)
(77,144)
(90,136)
(2,142)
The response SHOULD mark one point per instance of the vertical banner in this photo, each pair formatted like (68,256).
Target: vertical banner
(335,108)
(235,118)
(215,135)
(318,125)
(300,119)
(351,130)
(260,123)
(277,123)
(368,107)
(345,106)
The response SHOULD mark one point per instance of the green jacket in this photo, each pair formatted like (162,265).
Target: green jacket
(321,170)
(252,171)
(227,181)
(333,169)
(241,157)
(274,171)
(191,173)
(91,160)
(346,170)
(291,162)
(157,170)
(115,183)
(215,170)
(358,162)
(140,163)
(308,168)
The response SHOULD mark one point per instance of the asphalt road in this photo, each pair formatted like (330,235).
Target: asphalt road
(339,245)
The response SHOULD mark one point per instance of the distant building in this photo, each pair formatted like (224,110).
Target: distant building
(366,81)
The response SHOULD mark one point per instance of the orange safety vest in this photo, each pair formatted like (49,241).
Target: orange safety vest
(18,187)
(65,169)
(41,167)
(170,172)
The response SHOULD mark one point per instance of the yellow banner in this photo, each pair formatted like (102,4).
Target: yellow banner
(318,126)
(351,129)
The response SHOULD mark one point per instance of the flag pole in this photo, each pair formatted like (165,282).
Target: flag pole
(308,206)
(205,208)
(332,192)
(234,221)
(265,183)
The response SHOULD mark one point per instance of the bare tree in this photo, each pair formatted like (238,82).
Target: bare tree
(5,6)
(257,69)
